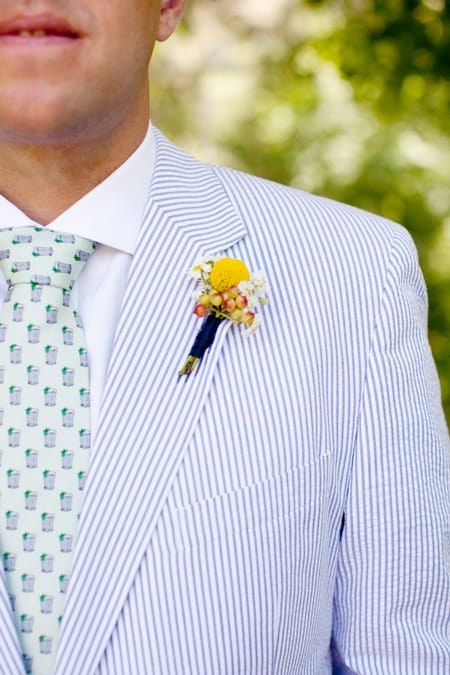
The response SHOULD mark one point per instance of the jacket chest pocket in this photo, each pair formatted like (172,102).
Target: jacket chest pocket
(297,494)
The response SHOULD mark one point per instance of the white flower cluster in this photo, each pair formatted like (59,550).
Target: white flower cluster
(200,272)
(256,291)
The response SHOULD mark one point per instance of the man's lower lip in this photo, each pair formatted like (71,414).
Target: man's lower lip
(31,41)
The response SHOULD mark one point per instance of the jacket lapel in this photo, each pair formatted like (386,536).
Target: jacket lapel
(10,651)
(148,412)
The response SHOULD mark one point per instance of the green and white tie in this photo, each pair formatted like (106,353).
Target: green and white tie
(44,429)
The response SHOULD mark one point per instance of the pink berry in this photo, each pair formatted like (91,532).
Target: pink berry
(248,317)
(236,315)
(216,298)
(229,305)
(241,301)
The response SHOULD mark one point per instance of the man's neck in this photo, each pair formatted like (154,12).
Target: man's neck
(44,181)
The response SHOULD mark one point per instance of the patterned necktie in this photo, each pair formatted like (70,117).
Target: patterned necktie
(44,429)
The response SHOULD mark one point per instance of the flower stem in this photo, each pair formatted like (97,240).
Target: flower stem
(189,365)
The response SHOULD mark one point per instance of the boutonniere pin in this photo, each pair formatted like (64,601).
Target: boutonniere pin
(225,291)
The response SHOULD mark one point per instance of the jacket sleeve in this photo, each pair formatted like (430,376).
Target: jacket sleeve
(392,598)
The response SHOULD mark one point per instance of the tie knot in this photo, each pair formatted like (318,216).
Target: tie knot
(43,257)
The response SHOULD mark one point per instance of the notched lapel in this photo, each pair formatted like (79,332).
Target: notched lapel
(148,411)
(10,651)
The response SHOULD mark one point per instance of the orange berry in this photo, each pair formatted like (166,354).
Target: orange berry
(200,310)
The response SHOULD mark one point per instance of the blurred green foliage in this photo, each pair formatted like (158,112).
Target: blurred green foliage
(344,98)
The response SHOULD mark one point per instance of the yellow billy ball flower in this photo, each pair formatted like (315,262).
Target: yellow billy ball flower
(228,272)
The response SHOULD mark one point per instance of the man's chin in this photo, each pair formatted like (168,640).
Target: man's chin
(40,126)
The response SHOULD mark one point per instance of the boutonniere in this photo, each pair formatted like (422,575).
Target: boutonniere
(225,291)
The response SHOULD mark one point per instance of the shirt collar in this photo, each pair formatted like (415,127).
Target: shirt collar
(112,212)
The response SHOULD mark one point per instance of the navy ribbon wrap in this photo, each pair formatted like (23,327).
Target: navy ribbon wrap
(205,338)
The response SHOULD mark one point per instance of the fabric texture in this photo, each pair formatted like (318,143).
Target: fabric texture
(44,429)
(210,538)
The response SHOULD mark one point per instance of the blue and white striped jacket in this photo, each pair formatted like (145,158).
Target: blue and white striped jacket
(284,510)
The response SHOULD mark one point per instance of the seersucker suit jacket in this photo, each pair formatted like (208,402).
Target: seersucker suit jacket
(283,510)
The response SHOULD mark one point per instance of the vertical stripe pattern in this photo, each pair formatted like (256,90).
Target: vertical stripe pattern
(223,549)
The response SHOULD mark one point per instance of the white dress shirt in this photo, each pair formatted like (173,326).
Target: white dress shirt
(110,214)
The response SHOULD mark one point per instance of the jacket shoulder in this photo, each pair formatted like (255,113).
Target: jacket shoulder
(302,210)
